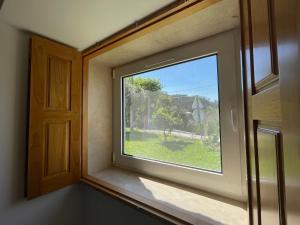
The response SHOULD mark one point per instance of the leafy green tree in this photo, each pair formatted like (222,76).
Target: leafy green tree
(138,94)
(146,84)
(166,116)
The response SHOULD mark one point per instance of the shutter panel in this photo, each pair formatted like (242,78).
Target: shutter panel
(271,81)
(54,117)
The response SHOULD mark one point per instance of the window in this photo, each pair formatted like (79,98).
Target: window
(176,116)
(171,114)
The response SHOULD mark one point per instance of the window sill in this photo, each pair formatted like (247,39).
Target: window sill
(171,201)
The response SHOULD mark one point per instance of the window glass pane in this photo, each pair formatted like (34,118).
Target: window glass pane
(171,114)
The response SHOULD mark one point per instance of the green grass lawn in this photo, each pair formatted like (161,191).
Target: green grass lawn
(178,150)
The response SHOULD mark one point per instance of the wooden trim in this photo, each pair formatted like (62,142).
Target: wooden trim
(84,137)
(266,82)
(273,38)
(243,23)
(140,205)
(138,24)
(279,163)
(281,179)
(257,177)
(167,15)
(251,77)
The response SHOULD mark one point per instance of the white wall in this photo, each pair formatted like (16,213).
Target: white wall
(75,205)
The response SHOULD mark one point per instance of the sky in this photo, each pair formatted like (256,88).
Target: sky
(196,77)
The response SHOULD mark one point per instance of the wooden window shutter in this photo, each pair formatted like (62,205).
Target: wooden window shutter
(54,117)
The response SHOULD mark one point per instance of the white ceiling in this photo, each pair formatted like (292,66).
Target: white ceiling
(78,23)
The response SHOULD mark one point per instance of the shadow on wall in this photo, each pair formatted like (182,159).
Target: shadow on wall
(14,83)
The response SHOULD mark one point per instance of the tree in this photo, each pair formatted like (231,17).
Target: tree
(138,93)
(165,115)
(146,84)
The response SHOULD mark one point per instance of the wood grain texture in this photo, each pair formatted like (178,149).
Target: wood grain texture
(287,14)
(58,85)
(266,105)
(54,117)
(253,206)
(246,83)
(264,46)
(268,145)
(262,82)
(57,147)
(275,105)
(85,98)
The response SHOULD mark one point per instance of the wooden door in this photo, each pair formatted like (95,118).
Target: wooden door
(272,90)
(54,117)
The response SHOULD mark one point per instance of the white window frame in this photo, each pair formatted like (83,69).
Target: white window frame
(229,182)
